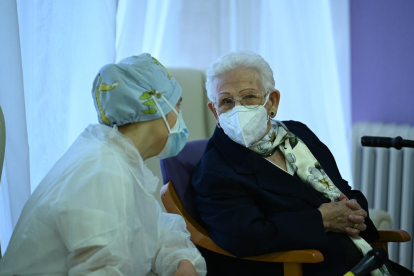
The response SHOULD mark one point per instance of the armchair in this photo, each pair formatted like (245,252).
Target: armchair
(176,196)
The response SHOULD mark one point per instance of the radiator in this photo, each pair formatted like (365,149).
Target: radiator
(386,178)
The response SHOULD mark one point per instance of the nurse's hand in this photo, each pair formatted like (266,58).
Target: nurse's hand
(185,268)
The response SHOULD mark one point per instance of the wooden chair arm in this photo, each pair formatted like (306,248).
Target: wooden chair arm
(292,256)
(391,235)
(292,260)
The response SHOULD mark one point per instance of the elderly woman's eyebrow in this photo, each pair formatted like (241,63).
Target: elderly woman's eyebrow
(243,90)
(224,92)
(250,88)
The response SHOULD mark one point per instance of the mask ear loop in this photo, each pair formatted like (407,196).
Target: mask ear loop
(172,107)
(217,121)
(159,108)
(159,95)
(267,98)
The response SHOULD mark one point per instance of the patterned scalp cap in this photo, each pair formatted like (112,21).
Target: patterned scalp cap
(126,92)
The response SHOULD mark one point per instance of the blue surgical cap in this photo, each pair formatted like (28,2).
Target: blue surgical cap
(126,92)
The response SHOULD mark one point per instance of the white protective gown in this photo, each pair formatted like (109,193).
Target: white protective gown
(95,214)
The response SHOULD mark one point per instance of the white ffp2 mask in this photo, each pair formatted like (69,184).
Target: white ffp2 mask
(243,125)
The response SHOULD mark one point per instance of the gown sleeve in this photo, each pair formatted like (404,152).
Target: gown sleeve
(176,246)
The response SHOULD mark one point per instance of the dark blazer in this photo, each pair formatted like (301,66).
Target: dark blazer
(251,207)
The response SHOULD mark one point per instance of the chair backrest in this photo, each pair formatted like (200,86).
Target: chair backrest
(178,170)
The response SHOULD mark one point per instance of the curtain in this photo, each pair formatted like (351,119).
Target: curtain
(15,181)
(55,48)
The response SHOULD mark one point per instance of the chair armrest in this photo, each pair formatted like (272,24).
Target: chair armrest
(391,235)
(292,256)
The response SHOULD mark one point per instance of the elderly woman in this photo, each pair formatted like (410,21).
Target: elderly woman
(264,185)
(95,213)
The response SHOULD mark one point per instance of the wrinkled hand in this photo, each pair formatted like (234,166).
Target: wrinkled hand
(185,268)
(357,218)
(341,216)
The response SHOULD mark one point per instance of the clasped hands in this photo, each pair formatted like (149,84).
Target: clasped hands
(343,216)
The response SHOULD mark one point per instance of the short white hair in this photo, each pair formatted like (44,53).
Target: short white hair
(236,60)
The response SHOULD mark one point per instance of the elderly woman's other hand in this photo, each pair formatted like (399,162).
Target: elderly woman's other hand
(345,216)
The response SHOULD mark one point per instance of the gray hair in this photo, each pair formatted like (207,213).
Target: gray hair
(235,60)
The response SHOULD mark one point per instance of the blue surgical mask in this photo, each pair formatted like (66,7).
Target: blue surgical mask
(176,139)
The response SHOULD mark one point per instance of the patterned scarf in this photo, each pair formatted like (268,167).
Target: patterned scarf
(308,169)
(268,142)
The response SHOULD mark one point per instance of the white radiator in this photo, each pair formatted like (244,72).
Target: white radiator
(386,178)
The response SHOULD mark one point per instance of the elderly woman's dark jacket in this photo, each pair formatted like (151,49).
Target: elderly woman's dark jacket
(251,207)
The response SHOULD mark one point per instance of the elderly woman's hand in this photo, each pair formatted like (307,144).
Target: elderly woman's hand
(357,219)
(345,216)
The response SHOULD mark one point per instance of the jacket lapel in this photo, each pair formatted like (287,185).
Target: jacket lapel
(238,157)
(276,180)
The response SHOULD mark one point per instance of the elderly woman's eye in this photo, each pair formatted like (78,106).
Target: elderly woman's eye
(227,101)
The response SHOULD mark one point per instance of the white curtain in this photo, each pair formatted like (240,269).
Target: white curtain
(53,50)
(15,182)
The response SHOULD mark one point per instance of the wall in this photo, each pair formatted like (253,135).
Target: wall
(382,61)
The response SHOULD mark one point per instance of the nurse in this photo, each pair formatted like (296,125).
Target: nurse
(95,212)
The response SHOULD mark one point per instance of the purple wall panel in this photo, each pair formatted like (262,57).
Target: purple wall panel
(382,61)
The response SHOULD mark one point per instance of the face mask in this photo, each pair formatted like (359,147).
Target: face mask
(243,125)
(176,139)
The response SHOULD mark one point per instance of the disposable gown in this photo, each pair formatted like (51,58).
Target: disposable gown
(95,214)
